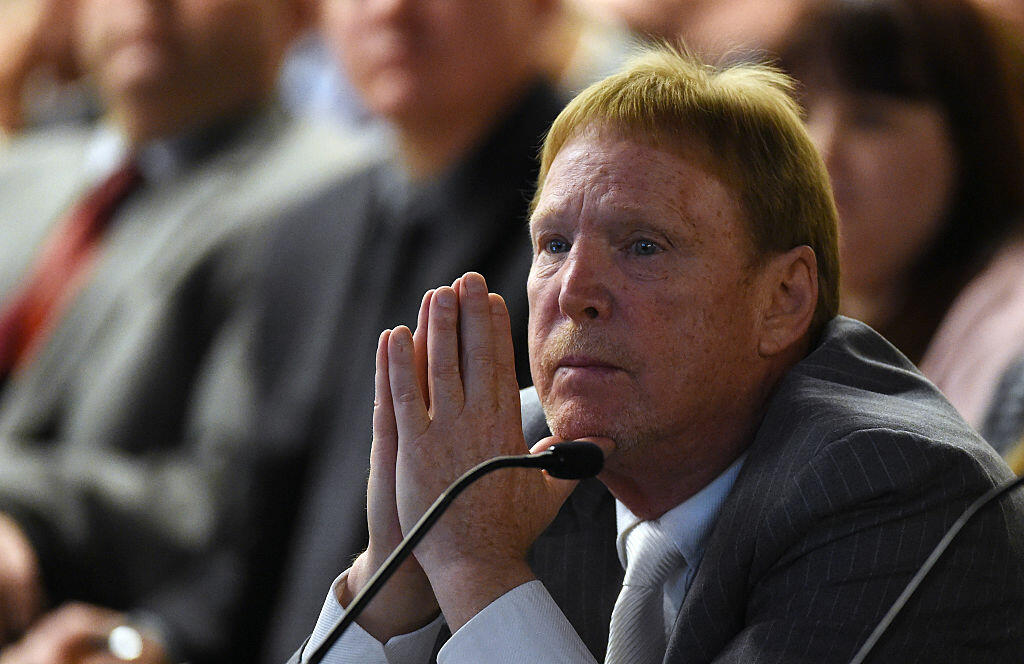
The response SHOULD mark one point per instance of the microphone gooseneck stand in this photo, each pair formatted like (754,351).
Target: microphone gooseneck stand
(570,460)
(578,460)
(929,563)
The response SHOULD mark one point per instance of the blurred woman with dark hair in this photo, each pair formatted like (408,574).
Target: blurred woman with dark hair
(910,103)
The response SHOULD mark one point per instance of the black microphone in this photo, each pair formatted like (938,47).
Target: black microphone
(571,460)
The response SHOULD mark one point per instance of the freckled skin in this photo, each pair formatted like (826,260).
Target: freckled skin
(642,277)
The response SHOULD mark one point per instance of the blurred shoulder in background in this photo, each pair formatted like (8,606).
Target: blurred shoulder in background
(128,247)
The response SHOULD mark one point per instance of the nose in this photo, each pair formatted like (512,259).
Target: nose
(584,294)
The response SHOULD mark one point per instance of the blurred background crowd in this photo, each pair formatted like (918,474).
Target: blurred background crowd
(209,209)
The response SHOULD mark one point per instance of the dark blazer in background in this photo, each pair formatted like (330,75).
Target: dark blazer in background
(123,443)
(349,266)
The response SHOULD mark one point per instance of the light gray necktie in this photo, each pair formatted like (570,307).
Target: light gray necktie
(637,631)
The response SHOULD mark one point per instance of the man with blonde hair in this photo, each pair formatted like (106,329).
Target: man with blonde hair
(775,474)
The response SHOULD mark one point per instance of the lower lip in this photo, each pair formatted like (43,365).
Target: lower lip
(583,371)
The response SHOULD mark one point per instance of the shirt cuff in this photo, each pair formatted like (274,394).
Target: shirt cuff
(523,626)
(356,644)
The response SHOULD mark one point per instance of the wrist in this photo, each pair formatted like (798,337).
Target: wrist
(464,586)
(404,604)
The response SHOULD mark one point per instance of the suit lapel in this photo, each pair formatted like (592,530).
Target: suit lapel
(577,562)
(713,609)
(36,190)
(575,557)
(715,605)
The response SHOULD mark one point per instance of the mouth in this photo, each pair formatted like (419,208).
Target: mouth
(585,363)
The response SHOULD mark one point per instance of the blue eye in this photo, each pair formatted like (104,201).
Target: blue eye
(556,246)
(645,248)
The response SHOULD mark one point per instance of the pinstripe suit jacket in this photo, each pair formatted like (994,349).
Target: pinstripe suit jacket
(858,468)
(856,471)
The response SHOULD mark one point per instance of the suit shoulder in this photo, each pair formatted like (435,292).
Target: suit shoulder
(854,380)
(856,420)
(59,144)
(323,151)
(287,164)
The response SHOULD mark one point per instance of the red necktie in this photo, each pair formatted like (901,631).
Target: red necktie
(60,269)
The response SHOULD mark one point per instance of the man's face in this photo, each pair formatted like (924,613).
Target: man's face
(412,58)
(180,52)
(643,301)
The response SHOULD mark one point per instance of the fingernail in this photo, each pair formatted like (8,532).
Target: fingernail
(401,338)
(475,285)
(445,298)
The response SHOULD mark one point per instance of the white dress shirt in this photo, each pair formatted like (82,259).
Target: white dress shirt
(525,626)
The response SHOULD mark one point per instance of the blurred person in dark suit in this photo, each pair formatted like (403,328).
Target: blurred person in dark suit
(910,102)
(461,86)
(715,29)
(126,252)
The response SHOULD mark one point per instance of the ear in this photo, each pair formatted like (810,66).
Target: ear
(791,299)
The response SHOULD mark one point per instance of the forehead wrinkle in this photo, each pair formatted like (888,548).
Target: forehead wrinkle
(667,196)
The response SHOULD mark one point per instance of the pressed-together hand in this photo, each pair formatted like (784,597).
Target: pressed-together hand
(76,634)
(406,602)
(20,586)
(464,411)
(446,399)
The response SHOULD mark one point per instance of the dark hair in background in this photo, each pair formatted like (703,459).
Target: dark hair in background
(947,53)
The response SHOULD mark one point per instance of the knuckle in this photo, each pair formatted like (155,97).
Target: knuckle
(446,369)
(482,360)
(406,397)
(480,354)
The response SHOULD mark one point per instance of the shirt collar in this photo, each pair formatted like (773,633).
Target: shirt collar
(160,159)
(687,524)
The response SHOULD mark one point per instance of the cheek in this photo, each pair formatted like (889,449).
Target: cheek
(928,184)
(906,195)
(540,320)
(356,42)
(708,327)
(88,34)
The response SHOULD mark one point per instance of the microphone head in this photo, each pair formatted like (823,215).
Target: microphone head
(574,460)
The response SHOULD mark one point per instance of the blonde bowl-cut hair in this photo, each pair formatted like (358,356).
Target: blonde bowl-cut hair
(745,118)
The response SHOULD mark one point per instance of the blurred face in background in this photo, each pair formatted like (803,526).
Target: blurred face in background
(1010,11)
(418,60)
(183,57)
(893,168)
(650,18)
